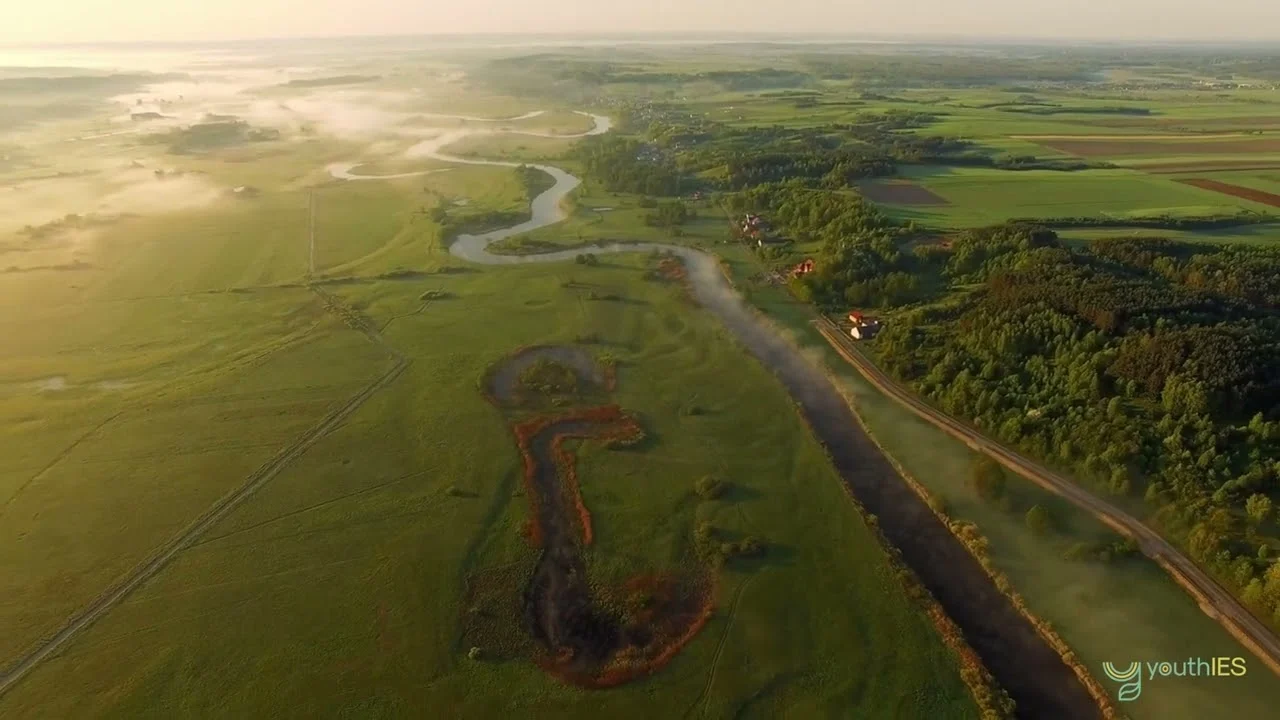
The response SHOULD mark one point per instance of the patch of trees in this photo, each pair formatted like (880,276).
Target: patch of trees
(548,377)
(620,165)
(987,478)
(207,136)
(328,81)
(739,80)
(1145,367)
(534,181)
(1031,162)
(832,156)
(953,70)
(109,83)
(451,227)
(711,487)
(859,263)
(1157,222)
(714,548)
(1051,109)
(670,214)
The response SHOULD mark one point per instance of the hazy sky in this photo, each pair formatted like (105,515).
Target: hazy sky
(183,20)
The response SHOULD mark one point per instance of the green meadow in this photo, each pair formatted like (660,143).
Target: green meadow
(338,588)
(158,359)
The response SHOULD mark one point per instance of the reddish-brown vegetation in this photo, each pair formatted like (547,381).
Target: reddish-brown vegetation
(585,635)
(1258,196)
(900,193)
(675,612)
(622,428)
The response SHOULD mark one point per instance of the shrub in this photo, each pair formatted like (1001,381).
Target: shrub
(1039,520)
(747,547)
(475,653)
(751,546)
(987,478)
(549,378)
(711,487)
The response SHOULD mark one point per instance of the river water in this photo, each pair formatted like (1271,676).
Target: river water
(1033,673)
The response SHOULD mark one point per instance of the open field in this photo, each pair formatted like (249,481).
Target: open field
(980,196)
(899,193)
(348,517)
(162,356)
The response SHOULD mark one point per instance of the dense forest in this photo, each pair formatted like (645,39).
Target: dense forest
(624,165)
(1147,368)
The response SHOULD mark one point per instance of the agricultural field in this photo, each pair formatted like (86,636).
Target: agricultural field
(971,197)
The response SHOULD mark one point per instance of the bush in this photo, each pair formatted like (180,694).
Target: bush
(711,487)
(549,378)
(1039,520)
(1102,551)
(987,478)
(706,531)
(751,546)
(747,547)
(475,653)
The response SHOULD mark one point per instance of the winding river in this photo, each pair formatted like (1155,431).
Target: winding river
(1033,673)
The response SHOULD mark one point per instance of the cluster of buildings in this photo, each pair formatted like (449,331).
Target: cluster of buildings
(802,269)
(756,228)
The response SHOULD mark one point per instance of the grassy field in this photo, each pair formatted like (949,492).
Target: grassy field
(365,516)
(163,354)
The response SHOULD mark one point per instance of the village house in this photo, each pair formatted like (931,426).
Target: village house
(803,268)
(864,328)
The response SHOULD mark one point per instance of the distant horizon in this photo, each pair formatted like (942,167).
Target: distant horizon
(1138,22)
(683,36)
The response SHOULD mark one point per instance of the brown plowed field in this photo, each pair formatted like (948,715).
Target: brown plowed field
(900,193)
(1206,166)
(1259,196)
(1105,148)
(1245,122)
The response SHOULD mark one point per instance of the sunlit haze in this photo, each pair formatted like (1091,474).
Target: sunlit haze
(201,20)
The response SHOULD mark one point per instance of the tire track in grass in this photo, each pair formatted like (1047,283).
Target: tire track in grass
(223,507)
(724,640)
(57,459)
(309,508)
